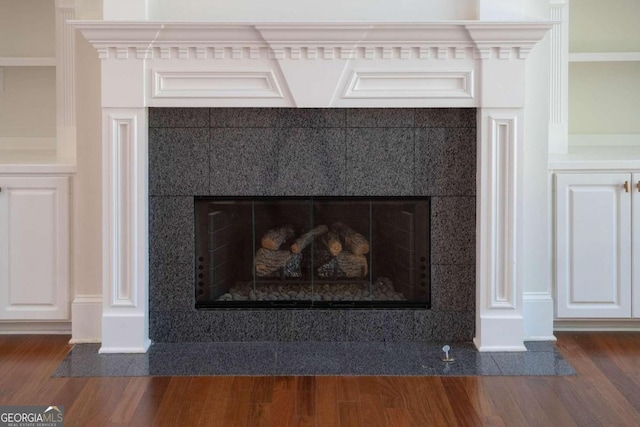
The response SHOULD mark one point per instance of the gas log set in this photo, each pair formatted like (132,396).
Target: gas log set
(338,252)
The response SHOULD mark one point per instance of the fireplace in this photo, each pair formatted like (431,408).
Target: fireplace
(245,202)
(334,252)
(446,65)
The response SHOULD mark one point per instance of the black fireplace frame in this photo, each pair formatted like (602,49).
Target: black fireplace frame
(422,260)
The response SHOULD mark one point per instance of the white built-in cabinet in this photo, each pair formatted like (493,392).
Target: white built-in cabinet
(34,247)
(597,245)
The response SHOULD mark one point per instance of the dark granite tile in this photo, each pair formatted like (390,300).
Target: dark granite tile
(453,230)
(380,117)
(244,162)
(159,325)
(312,117)
(547,346)
(309,358)
(85,349)
(532,363)
(312,325)
(178,117)
(453,287)
(171,231)
(180,359)
(444,326)
(446,162)
(243,325)
(63,370)
(445,117)
(178,161)
(389,358)
(312,358)
(139,366)
(380,162)
(257,358)
(92,364)
(380,325)
(311,162)
(171,287)
(466,362)
(180,326)
(243,117)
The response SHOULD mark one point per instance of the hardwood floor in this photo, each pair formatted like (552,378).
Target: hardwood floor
(606,391)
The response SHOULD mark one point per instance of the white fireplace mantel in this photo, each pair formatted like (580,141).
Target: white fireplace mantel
(429,65)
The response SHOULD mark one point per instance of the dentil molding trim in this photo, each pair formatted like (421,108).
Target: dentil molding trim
(455,40)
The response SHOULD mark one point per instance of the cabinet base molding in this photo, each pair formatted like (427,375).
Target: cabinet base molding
(86,315)
(35,327)
(599,325)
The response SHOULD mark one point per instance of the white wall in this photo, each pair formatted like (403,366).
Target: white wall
(88,9)
(536,268)
(311,10)
(536,255)
(87,256)
(601,104)
(604,26)
(27,28)
(28,102)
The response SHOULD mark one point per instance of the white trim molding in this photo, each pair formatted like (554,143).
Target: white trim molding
(559,77)
(86,318)
(422,84)
(215,84)
(430,65)
(35,327)
(499,316)
(65,80)
(125,231)
(538,316)
(597,325)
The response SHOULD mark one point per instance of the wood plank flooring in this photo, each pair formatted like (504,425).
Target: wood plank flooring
(606,391)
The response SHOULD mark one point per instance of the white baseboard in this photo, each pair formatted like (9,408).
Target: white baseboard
(127,333)
(33,327)
(598,325)
(500,333)
(86,319)
(538,316)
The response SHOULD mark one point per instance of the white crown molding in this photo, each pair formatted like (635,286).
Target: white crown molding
(150,40)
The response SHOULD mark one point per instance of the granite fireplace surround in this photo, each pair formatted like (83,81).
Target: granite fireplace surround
(340,152)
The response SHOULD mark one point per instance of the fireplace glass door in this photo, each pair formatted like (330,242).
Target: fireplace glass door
(320,252)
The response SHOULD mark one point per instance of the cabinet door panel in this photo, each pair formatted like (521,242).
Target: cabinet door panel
(32,241)
(593,239)
(34,248)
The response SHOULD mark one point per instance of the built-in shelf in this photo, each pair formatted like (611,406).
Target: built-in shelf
(17,61)
(604,56)
(34,161)
(604,139)
(597,158)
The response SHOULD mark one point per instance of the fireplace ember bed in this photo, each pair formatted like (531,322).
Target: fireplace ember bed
(306,252)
